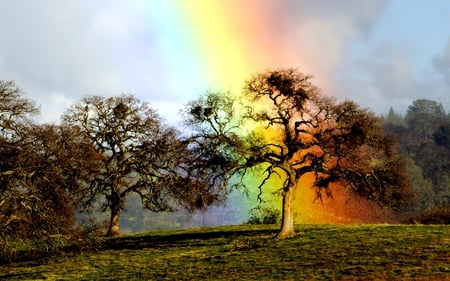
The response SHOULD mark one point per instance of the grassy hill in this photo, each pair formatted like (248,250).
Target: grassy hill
(318,252)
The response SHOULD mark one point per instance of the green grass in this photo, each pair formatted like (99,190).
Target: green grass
(318,252)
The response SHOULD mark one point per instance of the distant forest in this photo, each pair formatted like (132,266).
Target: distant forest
(423,135)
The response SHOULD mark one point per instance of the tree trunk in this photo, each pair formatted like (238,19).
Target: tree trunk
(113,229)
(287,215)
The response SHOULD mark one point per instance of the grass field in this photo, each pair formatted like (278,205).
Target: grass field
(318,252)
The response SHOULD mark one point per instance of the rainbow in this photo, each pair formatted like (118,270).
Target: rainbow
(232,39)
(228,42)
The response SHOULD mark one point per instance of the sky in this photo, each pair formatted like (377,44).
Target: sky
(378,53)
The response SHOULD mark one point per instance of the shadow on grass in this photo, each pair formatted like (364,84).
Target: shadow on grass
(135,242)
(36,255)
(179,239)
(24,276)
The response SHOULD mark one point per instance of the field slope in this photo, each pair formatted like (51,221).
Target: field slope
(318,252)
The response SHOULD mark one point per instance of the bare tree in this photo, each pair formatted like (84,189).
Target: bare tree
(289,129)
(140,155)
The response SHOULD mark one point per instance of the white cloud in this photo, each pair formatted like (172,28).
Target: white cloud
(314,35)
(385,76)
(72,48)
(442,63)
(110,22)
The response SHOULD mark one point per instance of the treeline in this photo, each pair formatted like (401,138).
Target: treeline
(423,133)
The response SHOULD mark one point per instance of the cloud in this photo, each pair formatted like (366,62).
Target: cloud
(70,49)
(76,48)
(60,51)
(314,35)
(52,48)
(391,71)
(442,63)
(386,76)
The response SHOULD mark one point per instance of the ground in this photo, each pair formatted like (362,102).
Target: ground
(318,252)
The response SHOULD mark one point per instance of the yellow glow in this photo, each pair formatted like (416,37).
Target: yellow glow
(218,44)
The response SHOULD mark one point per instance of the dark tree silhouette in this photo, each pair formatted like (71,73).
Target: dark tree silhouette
(442,135)
(140,154)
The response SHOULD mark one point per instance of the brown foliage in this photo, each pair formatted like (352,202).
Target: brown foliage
(49,169)
(43,169)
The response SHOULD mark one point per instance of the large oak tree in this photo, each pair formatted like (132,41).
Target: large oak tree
(285,126)
(140,154)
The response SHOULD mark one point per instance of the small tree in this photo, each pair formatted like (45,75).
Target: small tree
(394,118)
(288,128)
(140,154)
